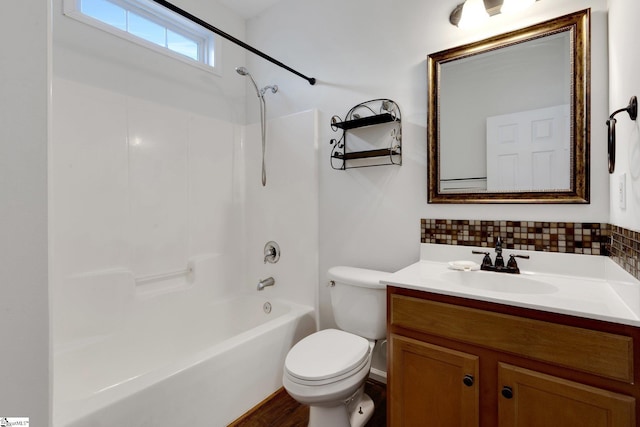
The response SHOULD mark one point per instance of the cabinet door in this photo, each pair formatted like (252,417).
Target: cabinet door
(431,385)
(532,399)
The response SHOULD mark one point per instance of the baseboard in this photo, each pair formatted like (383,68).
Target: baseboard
(378,375)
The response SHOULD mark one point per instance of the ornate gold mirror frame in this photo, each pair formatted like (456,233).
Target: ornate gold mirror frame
(577,26)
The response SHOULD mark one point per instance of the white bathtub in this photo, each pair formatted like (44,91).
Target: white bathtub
(201,366)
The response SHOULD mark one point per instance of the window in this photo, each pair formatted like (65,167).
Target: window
(149,24)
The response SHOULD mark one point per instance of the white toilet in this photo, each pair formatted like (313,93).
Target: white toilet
(327,370)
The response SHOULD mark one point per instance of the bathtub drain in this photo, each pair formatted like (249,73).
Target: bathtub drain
(267,307)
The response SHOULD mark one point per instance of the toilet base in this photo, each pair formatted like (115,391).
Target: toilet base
(363,411)
(323,416)
(355,414)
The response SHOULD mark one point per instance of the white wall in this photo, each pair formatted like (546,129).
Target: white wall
(365,49)
(624,81)
(24,312)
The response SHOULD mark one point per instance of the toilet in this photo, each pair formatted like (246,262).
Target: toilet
(327,370)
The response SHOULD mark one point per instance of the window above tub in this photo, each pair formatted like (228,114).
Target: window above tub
(150,25)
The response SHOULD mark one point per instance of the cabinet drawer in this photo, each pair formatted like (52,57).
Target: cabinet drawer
(601,353)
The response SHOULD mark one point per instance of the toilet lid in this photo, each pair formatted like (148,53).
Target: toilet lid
(326,354)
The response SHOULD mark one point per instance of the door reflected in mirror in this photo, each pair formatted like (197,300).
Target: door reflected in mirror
(508,117)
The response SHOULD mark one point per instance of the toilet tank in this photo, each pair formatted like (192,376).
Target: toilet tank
(359,301)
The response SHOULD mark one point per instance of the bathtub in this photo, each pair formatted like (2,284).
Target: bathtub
(199,365)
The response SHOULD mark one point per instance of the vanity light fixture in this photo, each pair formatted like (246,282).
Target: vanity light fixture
(632,110)
(471,13)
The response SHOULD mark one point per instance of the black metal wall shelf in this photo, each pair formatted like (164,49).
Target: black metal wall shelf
(366,154)
(365,121)
(369,113)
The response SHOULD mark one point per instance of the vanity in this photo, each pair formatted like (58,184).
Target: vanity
(554,346)
(557,344)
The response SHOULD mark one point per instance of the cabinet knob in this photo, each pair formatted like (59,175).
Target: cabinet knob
(507,392)
(468,380)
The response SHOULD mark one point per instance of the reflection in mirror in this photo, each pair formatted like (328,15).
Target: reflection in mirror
(508,117)
(524,119)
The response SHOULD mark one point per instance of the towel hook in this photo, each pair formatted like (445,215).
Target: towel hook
(632,109)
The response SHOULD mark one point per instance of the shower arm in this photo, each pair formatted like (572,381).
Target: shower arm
(195,19)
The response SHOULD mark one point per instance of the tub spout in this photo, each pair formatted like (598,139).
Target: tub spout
(266,282)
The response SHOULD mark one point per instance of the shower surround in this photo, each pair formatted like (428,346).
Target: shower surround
(157,211)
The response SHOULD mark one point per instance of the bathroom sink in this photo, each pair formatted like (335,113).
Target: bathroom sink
(587,286)
(498,282)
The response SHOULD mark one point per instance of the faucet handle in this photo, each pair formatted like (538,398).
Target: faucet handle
(271,252)
(486,261)
(512,258)
(512,264)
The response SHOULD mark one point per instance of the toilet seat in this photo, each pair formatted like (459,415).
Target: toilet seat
(326,356)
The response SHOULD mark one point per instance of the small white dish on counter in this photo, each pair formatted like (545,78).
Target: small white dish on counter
(464,265)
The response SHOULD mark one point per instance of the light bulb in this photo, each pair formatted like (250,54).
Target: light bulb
(473,14)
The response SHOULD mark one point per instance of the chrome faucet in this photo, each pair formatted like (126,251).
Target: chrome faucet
(498,266)
(269,281)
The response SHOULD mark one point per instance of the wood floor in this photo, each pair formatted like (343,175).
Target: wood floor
(281,410)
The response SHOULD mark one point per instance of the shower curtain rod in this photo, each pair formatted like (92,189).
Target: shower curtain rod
(232,39)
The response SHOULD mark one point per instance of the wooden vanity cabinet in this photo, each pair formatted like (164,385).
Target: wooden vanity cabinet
(461,362)
(434,383)
(535,399)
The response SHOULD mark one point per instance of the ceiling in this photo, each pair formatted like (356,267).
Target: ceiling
(248,8)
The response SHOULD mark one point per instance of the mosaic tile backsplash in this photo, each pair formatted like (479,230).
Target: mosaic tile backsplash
(568,237)
(625,249)
(588,238)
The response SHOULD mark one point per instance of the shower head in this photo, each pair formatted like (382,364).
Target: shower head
(244,72)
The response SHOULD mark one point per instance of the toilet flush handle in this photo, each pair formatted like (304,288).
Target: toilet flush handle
(331,284)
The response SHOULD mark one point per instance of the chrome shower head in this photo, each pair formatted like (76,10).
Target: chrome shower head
(242,71)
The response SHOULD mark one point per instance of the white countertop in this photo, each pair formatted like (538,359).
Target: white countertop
(580,285)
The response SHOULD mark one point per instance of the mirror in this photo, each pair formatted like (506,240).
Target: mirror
(508,118)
